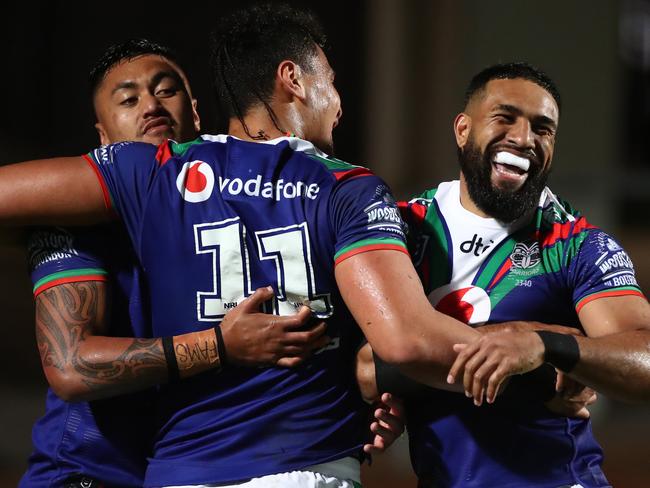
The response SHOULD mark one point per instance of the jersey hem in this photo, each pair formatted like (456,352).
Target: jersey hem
(370,247)
(70,279)
(105,193)
(604,294)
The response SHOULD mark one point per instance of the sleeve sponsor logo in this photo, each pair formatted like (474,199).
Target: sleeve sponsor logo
(386,218)
(50,245)
(612,245)
(617,269)
(383,213)
(104,154)
(607,263)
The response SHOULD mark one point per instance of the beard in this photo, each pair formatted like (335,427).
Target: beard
(500,204)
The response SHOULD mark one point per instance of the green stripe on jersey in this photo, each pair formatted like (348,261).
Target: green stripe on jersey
(179,149)
(437,246)
(68,274)
(609,290)
(334,164)
(369,242)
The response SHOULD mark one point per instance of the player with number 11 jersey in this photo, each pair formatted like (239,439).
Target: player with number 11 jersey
(211,221)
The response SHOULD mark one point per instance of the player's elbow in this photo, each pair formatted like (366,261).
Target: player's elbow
(66,385)
(402,352)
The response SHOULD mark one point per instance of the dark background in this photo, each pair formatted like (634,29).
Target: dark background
(401,70)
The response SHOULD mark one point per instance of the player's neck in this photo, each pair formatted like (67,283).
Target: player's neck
(259,126)
(466,201)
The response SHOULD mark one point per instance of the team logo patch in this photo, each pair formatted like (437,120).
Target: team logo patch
(470,305)
(195,182)
(612,245)
(525,256)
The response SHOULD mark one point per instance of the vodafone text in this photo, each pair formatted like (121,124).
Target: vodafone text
(255,187)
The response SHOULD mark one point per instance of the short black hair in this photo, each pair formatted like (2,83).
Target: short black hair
(509,71)
(249,44)
(125,51)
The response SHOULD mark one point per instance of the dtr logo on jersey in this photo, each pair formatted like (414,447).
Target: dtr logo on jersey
(195,181)
(471,305)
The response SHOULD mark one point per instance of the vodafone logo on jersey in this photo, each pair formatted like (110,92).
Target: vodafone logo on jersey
(195,182)
(471,305)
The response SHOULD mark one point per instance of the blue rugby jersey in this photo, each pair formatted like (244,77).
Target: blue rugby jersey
(213,220)
(542,268)
(108,439)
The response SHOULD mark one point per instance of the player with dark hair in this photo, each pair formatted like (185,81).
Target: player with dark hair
(224,215)
(117,93)
(213,219)
(498,246)
(88,301)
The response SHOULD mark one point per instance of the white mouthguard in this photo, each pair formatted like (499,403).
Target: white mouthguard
(510,159)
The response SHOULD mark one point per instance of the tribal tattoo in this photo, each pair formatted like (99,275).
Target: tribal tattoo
(68,316)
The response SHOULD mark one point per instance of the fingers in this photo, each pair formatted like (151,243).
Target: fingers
(391,418)
(387,427)
(459,363)
(255,301)
(377,446)
(395,405)
(593,398)
(299,319)
(290,362)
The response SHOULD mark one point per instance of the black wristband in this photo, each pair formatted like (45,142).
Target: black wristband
(221,346)
(561,350)
(173,374)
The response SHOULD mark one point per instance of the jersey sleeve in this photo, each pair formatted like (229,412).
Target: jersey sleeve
(58,256)
(365,218)
(600,269)
(126,171)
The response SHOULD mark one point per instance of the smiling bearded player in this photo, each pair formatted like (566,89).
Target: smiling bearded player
(498,246)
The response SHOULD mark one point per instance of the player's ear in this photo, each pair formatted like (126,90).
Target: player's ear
(195,115)
(290,79)
(462,127)
(103,137)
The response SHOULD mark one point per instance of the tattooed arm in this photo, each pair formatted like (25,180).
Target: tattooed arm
(82,364)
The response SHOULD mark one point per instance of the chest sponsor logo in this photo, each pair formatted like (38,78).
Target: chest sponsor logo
(471,305)
(255,187)
(195,182)
(525,256)
(475,246)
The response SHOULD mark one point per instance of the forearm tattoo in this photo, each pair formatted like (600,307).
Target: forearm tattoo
(66,316)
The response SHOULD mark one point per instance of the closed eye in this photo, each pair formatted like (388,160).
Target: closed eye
(505,117)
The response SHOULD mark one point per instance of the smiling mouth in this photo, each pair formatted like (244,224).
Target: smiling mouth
(510,168)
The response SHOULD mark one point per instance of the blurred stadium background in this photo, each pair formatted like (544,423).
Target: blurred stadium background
(402,67)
